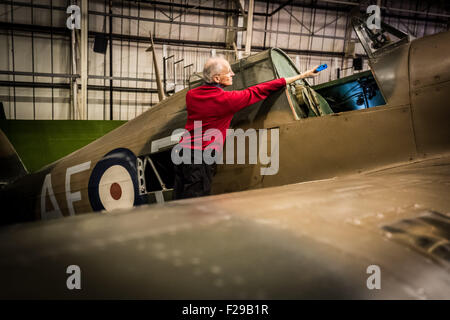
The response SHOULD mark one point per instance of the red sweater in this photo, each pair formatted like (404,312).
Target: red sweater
(215,108)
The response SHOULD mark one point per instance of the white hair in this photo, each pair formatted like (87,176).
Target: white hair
(213,66)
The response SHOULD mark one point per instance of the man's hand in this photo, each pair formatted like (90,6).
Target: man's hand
(312,72)
(307,74)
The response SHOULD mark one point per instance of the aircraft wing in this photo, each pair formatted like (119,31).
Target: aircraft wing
(305,240)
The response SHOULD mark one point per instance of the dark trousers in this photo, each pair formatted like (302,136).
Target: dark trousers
(193,180)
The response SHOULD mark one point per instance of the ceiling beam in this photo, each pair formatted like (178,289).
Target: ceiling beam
(280,7)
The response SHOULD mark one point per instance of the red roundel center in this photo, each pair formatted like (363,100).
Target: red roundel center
(116,191)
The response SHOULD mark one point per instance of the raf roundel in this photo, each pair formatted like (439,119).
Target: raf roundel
(113,183)
(116,188)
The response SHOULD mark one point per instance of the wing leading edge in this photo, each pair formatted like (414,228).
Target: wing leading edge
(306,240)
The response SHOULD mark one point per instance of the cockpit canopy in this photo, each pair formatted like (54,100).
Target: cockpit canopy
(378,41)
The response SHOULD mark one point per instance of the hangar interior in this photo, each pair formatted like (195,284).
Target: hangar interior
(346,187)
(103,69)
(41,59)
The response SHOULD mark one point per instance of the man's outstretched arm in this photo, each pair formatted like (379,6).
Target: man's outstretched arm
(307,74)
(243,98)
(238,100)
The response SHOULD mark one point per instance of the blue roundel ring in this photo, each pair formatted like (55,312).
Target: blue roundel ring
(122,157)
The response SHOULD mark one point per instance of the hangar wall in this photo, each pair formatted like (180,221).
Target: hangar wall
(38,86)
(39,143)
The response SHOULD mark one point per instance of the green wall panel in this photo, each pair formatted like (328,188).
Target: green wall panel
(40,142)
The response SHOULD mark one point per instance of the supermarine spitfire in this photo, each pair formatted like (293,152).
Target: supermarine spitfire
(375,144)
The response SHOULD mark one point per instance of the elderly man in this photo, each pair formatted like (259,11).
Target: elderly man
(215,108)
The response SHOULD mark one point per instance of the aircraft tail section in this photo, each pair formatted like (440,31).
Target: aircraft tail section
(11,166)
